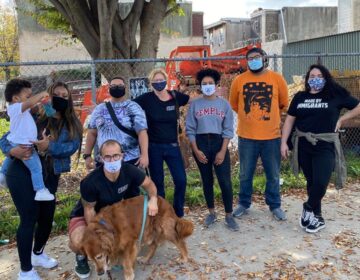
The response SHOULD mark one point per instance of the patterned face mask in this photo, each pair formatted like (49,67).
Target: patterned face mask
(317,83)
(208,90)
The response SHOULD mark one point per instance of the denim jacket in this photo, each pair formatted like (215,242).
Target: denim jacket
(60,150)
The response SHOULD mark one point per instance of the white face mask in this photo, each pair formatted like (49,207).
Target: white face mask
(208,90)
(112,166)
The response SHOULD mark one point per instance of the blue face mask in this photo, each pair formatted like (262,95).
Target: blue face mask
(208,90)
(256,65)
(317,83)
(112,166)
(159,86)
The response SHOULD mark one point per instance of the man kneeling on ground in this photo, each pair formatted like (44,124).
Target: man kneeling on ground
(106,185)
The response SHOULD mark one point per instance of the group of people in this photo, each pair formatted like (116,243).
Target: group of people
(124,137)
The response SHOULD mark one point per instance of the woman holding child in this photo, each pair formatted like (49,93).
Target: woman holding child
(59,137)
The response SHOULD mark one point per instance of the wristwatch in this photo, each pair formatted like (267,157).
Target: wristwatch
(85,156)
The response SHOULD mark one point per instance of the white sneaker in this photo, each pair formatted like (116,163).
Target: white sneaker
(2,181)
(28,275)
(44,195)
(43,260)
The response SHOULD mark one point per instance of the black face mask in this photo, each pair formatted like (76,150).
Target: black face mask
(60,104)
(117,91)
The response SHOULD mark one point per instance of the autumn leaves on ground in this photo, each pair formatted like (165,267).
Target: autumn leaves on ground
(262,249)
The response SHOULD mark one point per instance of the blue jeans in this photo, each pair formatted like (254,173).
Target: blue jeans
(269,152)
(171,154)
(210,145)
(34,166)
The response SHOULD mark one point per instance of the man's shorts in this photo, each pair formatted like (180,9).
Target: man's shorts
(76,222)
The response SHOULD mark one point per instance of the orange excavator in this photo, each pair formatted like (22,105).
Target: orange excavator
(182,72)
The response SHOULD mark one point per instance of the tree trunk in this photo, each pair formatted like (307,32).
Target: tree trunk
(105,35)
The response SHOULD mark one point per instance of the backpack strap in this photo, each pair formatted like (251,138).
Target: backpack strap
(124,129)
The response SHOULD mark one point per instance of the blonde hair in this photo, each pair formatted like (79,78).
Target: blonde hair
(156,71)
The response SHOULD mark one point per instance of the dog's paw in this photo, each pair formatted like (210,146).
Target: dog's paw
(142,260)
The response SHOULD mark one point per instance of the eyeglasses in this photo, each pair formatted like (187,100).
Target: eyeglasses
(208,83)
(254,57)
(114,157)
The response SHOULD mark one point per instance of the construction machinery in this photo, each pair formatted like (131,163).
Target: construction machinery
(182,72)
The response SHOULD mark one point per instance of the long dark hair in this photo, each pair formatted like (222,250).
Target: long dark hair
(69,119)
(331,88)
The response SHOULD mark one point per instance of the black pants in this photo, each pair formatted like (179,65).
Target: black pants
(317,163)
(31,212)
(210,145)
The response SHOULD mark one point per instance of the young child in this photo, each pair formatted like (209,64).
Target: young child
(23,131)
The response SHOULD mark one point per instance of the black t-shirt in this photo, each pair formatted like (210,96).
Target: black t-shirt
(161,116)
(317,114)
(97,188)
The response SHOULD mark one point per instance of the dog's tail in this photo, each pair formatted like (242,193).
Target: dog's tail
(184,228)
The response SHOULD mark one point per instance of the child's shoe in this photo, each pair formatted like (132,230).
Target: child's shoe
(44,195)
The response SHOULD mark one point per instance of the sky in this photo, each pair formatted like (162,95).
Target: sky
(214,10)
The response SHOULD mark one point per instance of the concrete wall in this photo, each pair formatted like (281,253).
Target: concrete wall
(348,15)
(166,44)
(265,24)
(227,35)
(236,33)
(216,38)
(356,14)
(345,16)
(304,23)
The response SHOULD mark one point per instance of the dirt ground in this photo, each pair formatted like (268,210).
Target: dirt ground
(262,249)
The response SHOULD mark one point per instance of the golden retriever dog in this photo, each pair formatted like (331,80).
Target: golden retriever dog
(113,235)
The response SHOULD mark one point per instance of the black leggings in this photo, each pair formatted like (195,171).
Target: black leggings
(317,163)
(31,212)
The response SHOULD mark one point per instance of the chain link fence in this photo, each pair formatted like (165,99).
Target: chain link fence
(87,80)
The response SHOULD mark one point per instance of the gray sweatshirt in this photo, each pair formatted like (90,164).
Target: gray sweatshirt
(209,116)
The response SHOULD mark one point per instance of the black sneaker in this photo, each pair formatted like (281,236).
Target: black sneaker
(82,268)
(306,217)
(320,219)
(315,225)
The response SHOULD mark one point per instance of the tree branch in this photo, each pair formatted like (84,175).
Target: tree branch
(83,25)
(171,10)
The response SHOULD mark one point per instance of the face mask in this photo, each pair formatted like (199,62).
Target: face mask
(317,84)
(159,86)
(117,91)
(256,65)
(60,104)
(112,166)
(208,90)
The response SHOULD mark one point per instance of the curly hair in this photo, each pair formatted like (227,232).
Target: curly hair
(212,73)
(331,88)
(14,87)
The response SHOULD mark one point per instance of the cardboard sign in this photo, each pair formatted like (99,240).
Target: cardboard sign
(138,86)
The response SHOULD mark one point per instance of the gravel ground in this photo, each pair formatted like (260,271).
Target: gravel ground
(262,249)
